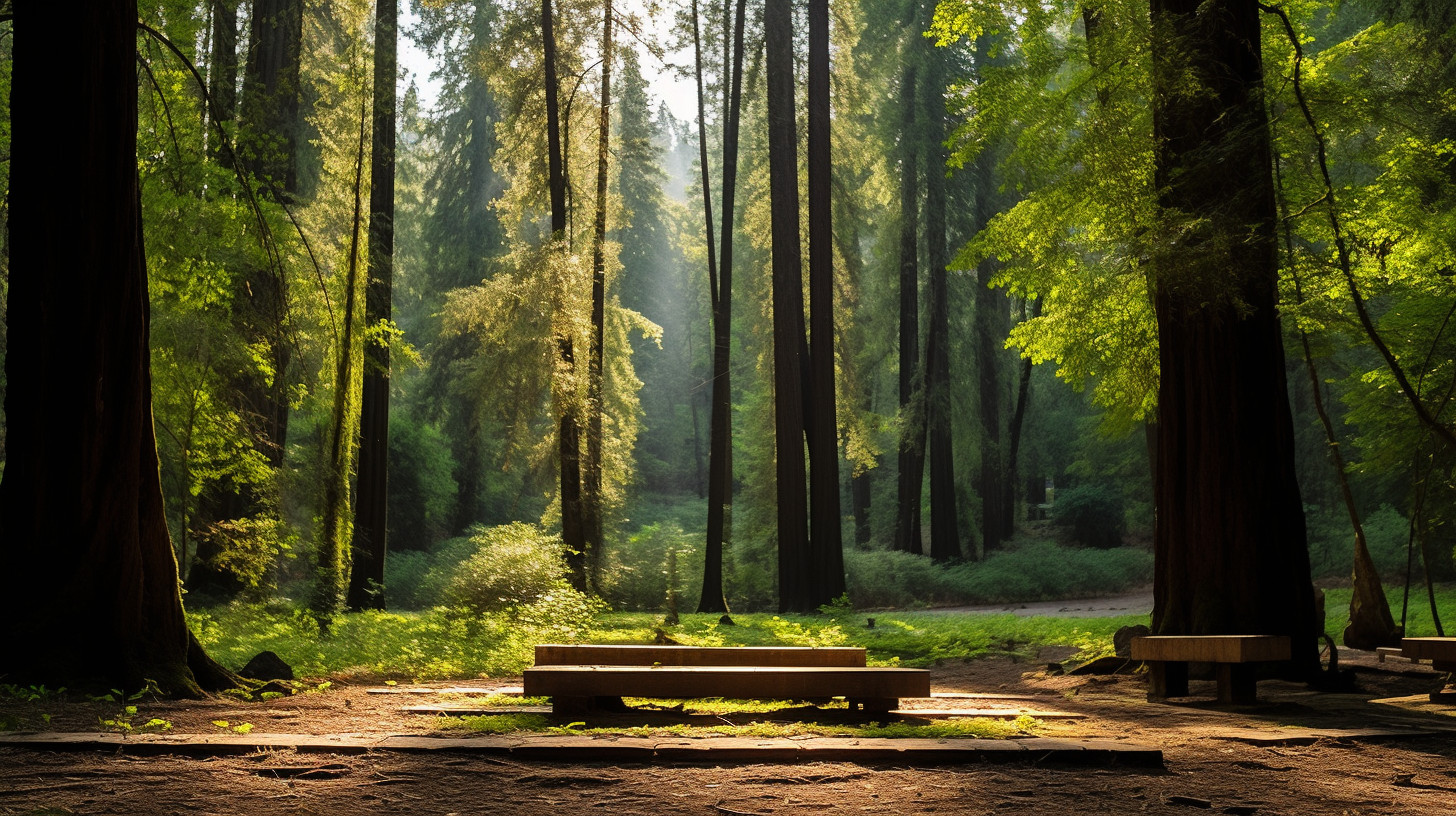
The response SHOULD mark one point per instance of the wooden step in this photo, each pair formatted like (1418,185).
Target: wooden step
(1211,648)
(734,682)
(558,654)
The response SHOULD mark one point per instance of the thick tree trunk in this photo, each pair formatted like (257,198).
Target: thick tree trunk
(788,310)
(912,377)
(1230,549)
(371,518)
(944,525)
(826,548)
(93,598)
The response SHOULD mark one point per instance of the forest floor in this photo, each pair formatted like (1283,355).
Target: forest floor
(1383,749)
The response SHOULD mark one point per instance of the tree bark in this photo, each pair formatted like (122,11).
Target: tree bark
(944,524)
(826,547)
(788,310)
(720,441)
(1230,552)
(912,377)
(371,518)
(93,599)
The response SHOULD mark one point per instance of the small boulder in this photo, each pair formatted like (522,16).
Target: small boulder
(267,666)
(1122,639)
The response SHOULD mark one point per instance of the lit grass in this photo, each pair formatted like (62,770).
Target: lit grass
(1418,613)
(440,645)
(968,728)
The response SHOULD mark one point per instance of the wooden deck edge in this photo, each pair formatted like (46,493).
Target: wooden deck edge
(1032,750)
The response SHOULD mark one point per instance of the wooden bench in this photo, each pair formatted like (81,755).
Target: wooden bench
(558,654)
(1168,657)
(778,673)
(1440,651)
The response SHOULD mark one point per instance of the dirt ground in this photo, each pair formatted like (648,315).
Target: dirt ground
(1297,752)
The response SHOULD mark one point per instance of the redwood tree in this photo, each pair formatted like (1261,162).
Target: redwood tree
(92,597)
(371,521)
(1230,550)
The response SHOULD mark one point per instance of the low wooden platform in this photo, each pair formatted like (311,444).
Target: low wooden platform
(1168,657)
(582,688)
(557,654)
(1441,652)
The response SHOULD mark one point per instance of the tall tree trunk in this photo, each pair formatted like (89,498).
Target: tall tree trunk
(912,376)
(371,520)
(720,460)
(592,479)
(222,73)
(826,548)
(336,510)
(93,599)
(788,309)
(573,532)
(944,524)
(992,326)
(1230,554)
(1023,397)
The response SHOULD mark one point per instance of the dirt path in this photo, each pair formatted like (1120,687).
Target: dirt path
(1296,753)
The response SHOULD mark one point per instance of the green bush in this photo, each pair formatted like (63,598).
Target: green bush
(888,578)
(1094,514)
(634,572)
(513,565)
(417,580)
(1043,571)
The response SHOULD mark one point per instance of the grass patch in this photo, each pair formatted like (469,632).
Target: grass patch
(968,728)
(441,644)
(1418,614)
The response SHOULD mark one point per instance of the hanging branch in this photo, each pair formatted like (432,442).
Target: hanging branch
(1443,432)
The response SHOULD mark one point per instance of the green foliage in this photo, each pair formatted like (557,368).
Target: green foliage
(1025,572)
(1093,513)
(513,566)
(421,484)
(635,575)
(969,728)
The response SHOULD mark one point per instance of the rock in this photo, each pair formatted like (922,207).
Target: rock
(726,621)
(267,666)
(1122,638)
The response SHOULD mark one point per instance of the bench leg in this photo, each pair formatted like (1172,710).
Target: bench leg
(1236,684)
(1167,678)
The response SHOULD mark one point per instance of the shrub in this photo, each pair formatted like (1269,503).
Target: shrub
(888,578)
(513,565)
(634,573)
(417,580)
(1094,514)
(1039,571)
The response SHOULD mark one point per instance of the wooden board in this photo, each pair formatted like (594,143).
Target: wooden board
(556,654)
(734,682)
(1211,648)
(1439,649)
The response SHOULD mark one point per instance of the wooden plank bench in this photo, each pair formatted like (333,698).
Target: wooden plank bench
(584,677)
(584,688)
(1441,652)
(558,654)
(1168,657)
